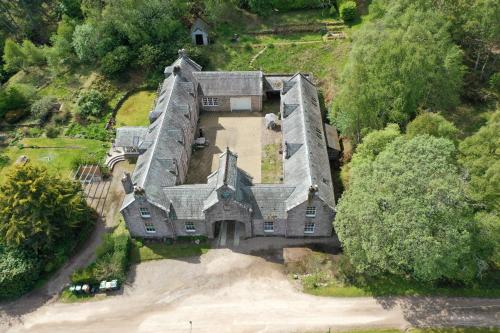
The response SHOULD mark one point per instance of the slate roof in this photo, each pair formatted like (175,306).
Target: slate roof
(306,163)
(130,136)
(269,200)
(230,83)
(187,201)
(332,137)
(200,24)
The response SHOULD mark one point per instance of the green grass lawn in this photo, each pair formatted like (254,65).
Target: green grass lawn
(59,157)
(135,110)
(154,251)
(271,167)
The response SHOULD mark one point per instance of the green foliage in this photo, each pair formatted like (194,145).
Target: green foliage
(43,108)
(19,272)
(348,11)
(333,11)
(12,98)
(94,131)
(112,259)
(397,65)
(85,38)
(116,61)
(433,124)
(406,213)
(4,160)
(13,56)
(264,7)
(61,54)
(52,132)
(91,103)
(34,55)
(495,82)
(39,210)
(374,143)
(480,156)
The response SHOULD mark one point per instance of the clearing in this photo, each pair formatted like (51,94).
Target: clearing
(56,154)
(225,291)
(135,110)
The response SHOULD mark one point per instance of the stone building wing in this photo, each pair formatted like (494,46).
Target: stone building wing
(230,83)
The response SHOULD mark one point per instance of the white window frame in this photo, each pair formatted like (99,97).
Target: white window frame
(311,211)
(210,101)
(145,213)
(309,227)
(150,228)
(269,223)
(189,227)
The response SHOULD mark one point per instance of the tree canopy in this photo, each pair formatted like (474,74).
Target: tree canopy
(433,124)
(406,213)
(397,65)
(37,209)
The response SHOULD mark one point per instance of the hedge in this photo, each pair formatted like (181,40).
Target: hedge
(18,272)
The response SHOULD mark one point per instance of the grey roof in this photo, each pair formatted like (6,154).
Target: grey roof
(230,83)
(200,24)
(227,172)
(157,167)
(332,137)
(308,163)
(130,136)
(269,200)
(187,201)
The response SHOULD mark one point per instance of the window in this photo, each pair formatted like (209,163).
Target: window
(150,228)
(311,211)
(210,101)
(268,226)
(309,228)
(144,212)
(190,227)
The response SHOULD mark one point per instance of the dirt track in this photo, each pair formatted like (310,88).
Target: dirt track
(225,291)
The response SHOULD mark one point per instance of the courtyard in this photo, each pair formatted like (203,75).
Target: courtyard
(243,132)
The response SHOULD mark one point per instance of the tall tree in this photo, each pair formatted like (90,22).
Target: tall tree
(406,213)
(397,65)
(38,209)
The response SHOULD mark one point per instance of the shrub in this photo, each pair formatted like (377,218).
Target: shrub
(91,131)
(333,11)
(495,82)
(116,61)
(52,132)
(62,118)
(4,160)
(12,98)
(248,47)
(42,109)
(91,103)
(348,11)
(270,46)
(34,132)
(18,272)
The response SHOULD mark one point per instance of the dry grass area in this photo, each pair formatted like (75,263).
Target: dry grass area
(240,131)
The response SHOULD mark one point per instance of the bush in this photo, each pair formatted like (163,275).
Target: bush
(18,272)
(91,103)
(91,131)
(52,132)
(4,160)
(495,82)
(116,61)
(348,11)
(12,98)
(62,118)
(333,11)
(111,262)
(43,108)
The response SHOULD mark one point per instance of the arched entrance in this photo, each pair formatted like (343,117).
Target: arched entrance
(228,233)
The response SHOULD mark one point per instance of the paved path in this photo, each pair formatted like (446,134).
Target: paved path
(225,291)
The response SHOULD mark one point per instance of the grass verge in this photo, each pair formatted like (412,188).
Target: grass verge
(271,167)
(182,248)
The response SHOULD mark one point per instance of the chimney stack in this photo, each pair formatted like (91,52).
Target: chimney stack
(128,186)
(310,194)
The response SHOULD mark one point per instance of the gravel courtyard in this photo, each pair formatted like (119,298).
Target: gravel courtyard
(240,131)
(226,291)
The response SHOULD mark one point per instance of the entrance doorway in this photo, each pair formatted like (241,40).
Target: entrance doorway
(199,39)
(228,233)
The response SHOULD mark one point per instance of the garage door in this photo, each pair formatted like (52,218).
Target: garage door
(241,104)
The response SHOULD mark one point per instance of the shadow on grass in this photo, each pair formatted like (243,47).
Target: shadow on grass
(181,249)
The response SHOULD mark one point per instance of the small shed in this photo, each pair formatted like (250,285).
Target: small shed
(332,142)
(199,32)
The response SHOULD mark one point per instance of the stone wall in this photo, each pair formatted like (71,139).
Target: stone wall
(136,223)
(225,104)
(323,220)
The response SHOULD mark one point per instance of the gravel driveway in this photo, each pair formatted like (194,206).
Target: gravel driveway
(226,291)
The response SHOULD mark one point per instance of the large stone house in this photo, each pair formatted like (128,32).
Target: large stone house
(158,204)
